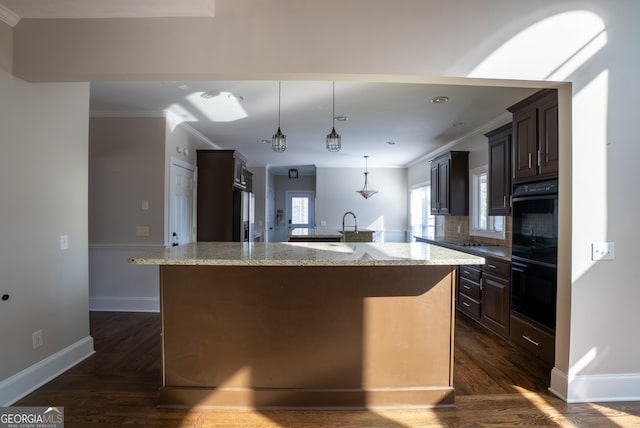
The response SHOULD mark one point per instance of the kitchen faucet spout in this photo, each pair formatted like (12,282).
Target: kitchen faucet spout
(355,222)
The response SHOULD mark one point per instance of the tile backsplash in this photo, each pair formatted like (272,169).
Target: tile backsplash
(457,229)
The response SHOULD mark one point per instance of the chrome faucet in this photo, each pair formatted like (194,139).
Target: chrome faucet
(355,223)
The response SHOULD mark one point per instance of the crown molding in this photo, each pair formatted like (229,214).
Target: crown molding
(198,135)
(503,119)
(8,17)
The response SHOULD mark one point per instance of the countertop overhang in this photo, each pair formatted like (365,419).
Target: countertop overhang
(307,254)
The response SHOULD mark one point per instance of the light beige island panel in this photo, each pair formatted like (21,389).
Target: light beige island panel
(362,328)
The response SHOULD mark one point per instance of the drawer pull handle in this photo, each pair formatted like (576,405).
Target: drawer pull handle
(530,340)
(492,266)
(466,304)
(467,287)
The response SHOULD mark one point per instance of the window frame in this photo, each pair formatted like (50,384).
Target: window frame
(426,229)
(474,208)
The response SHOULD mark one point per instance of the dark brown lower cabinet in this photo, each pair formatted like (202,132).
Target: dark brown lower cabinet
(533,339)
(485,294)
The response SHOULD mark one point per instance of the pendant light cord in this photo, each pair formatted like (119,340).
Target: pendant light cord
(333,118)
(279,97)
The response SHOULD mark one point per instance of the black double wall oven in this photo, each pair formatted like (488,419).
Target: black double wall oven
(535,251)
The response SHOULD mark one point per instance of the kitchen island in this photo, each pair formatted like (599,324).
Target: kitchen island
(295,325)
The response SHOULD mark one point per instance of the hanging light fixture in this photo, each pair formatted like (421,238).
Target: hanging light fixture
(365,192)
(279,140)
(334,141)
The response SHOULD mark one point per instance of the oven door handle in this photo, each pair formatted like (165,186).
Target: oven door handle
(518,266)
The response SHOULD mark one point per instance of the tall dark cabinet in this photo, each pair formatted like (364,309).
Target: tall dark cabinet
(499,192)
(450,184)
(222,178)
(535,136)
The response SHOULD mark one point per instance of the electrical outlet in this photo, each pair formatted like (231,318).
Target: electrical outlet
(64,242)
(142,230)
(37,339)
(602,251)
(323,223)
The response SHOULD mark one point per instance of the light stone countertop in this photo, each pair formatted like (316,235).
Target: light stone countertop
(307,254)
(481,250)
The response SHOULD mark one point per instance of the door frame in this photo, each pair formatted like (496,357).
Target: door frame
(175,162)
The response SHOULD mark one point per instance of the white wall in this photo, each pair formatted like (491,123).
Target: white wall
(43,186)
(6,47)
(385,212)
(126,166)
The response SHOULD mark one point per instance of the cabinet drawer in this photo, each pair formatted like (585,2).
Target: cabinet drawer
(532,339)
(469,305)
(469,273)
(497,267)
(470,288)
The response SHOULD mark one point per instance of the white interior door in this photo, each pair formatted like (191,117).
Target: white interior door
(300,209)
(181,201)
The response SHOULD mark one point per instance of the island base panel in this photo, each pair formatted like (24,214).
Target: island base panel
(353,336)
(264,398)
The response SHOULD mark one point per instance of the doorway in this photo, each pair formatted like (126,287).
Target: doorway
(300,209)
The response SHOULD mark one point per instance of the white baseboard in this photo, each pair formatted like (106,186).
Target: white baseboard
(559,383)
(124,304)
(595,388)
(28,380)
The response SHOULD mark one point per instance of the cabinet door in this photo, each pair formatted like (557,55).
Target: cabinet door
(434,188)
(496,306)
(239,170)
(444,168)
(500,174)
(548,136)
(525,143)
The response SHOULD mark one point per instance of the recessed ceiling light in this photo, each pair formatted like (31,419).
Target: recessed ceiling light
(439,100)
(454,124)
(341,118)
(230,95)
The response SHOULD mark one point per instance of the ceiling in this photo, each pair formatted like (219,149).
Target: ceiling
(377,113)
(242,114)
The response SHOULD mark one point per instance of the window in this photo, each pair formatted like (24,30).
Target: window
(480,222)
(300,210)
(422,222)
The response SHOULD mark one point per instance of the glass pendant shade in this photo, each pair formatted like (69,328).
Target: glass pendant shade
(279,140)
(366,192)
(334,141)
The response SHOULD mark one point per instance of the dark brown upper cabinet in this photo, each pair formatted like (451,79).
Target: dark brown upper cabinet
(535,136)
(450,184)
(499,192)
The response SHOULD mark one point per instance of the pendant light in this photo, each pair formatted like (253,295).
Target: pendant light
(334,141)
(279,140)
(365,192)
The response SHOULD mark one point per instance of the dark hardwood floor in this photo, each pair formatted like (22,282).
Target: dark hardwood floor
(495,386)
